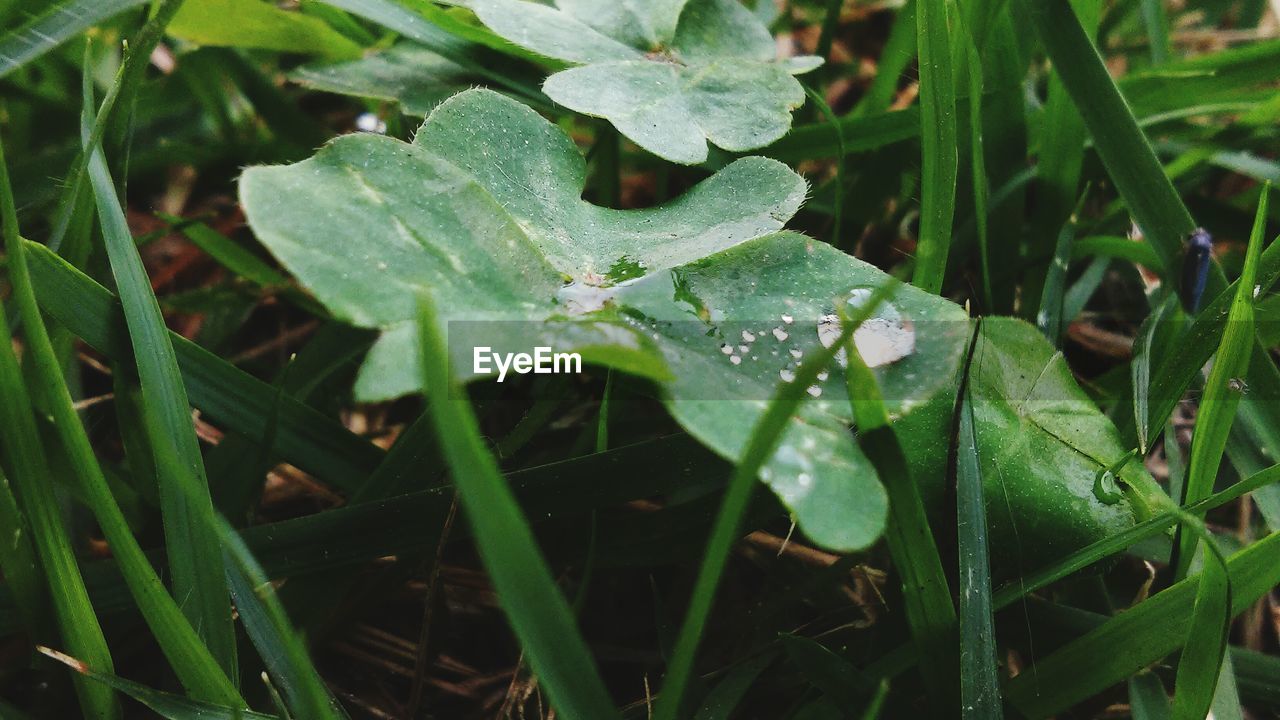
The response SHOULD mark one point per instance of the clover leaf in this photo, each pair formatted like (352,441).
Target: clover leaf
(484,210)
(668,86)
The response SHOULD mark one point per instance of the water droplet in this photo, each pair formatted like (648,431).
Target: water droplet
(788,319)
(735,359)
(780,334)
(786,375)
(747,336)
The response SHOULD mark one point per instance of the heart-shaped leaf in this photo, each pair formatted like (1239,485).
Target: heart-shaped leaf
(1041,444)
(702,294)
(668,86)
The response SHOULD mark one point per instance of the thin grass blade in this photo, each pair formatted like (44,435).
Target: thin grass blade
(194,556)
(760,446)
(1121,144)
(1223,389)
(538,612)
(1136,638)
(166,705)
(930,612)
(188,655)
(938,144)
(1206,645)
(77,623)
(979,676)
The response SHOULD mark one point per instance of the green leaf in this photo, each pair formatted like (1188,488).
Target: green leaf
(533,604)
(1040,442)
(668,87)
(406,73)
(260,25)
(505,223)
(939,144)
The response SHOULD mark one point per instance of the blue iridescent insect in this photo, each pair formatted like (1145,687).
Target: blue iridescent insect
(1195,268)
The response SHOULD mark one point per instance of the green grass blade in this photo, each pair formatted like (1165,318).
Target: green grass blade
(979,676)
(760,446)
(533,604)
(1132,640)
(1140,370)
(18,558)
(978,160)
(930,612)
(1181,366)
(938,144)
(194,556)
(898,52)
(57,24)
(190,659)
(264,620)
(1106,547)
(861,133)
(1122,146)
(1051,318)
(1059,162)
(1147,697)
(1156,22)
(1206,645)
(304,437)
(166,705)
(1223,388)
(837,210)
(77,622)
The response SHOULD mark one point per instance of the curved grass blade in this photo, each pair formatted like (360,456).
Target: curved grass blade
(1223,389)
(194,556)
(1061,155)
(538,612)
(1051,318)
(24,450)
(305,437)
(1206,645)
(58,23)
(190,659)
(1083,558)
(760,446)
(1121,144)
(264,620)
(938,144)
(1132,640)
(166,705)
